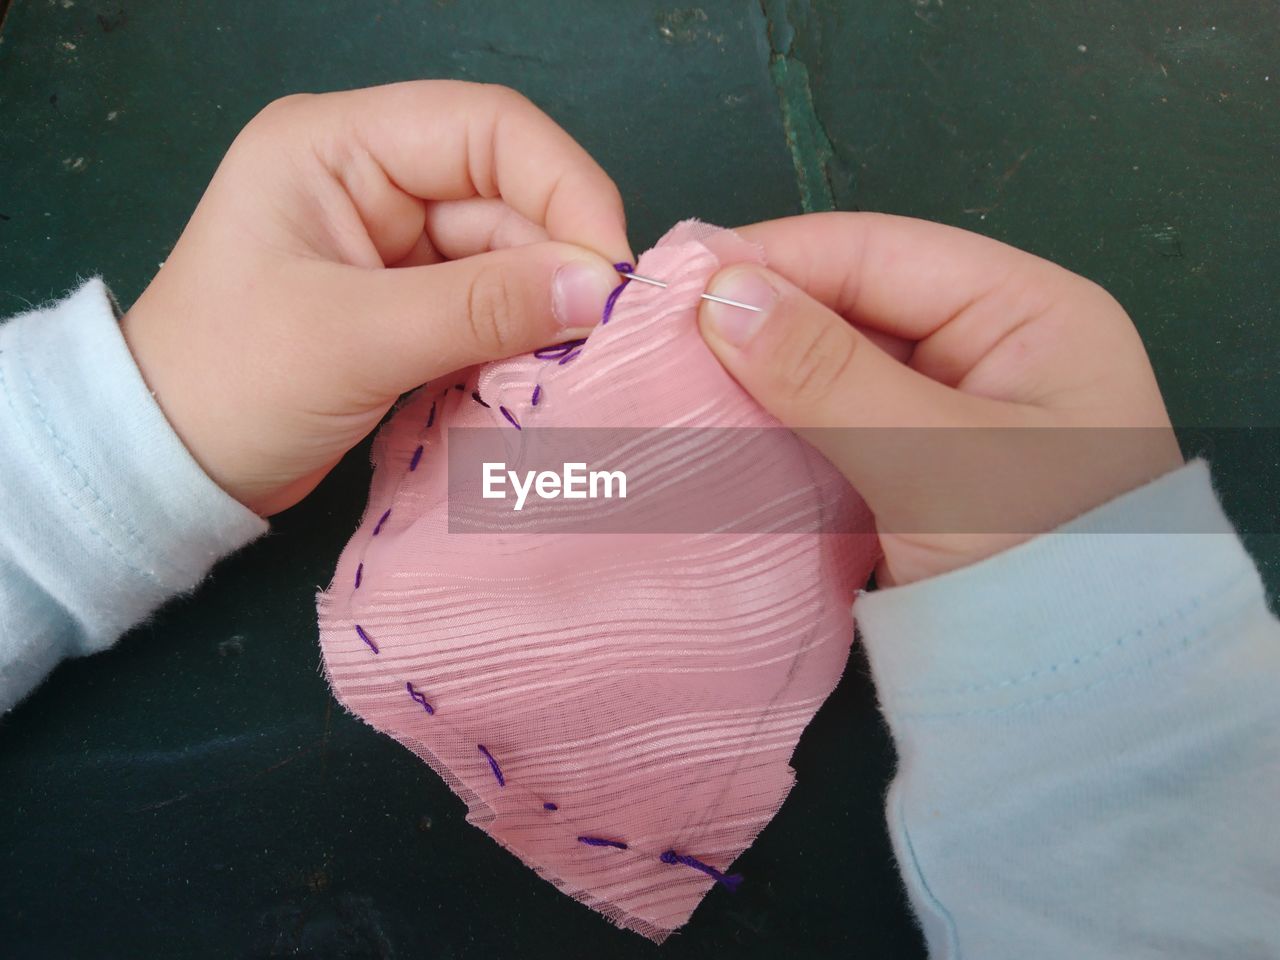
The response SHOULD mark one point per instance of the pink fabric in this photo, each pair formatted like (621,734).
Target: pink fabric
(651,687)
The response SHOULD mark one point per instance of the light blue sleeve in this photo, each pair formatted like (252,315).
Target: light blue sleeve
(103,513)
(1088,732)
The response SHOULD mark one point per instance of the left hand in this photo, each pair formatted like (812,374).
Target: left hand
(354,245)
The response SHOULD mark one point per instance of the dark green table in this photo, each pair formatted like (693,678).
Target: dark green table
(195,792)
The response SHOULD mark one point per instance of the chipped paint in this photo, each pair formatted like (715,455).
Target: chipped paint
(807,140)
(686,26)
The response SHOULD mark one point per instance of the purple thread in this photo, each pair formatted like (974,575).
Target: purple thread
(493,765)
(419,697)
(602,842)
(475,395)
(417,455)
(381,520)
(549,806)
(359,575)
(537,392)
(617,291)
(510,418)
(459,387)
(729,880)
(365,637)
(567,357)
(431,417)
(558,350)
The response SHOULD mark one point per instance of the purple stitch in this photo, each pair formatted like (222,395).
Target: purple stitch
(567,357)
(549,806)
(510,418)
(475,395)
(459,387)
(616,292)
(601,842)
(365,637)
(493,765)
(359,575)
(537,392)
(431,417)
(377,529)
(417,455)
(556,351)
(731,880)
(419,697)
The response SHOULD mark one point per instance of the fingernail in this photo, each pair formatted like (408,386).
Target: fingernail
(579,290)
(738,325)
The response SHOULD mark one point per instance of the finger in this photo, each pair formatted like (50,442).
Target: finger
(453,229)
(449,140)
(812,370)
(422,254)
(464,228)
(422,322)
(956,294)
(897,347)
(896,274)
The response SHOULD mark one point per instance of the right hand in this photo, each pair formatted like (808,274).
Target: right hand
(875,321)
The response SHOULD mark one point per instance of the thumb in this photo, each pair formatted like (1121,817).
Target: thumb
(427,321)
(814,371)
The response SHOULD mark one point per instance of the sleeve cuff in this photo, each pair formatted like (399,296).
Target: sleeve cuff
(1102,594)
(109,514)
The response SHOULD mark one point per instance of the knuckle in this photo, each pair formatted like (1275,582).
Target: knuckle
(816,360)
(1102,298)
(491,98)
(279,109)
(278,119)
(507,96)
(495,312)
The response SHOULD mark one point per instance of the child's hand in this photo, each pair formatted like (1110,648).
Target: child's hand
(275,337)
(933,327)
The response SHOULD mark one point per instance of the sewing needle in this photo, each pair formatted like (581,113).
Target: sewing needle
(705,296)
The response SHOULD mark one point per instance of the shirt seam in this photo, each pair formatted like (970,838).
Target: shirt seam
(1170,651)
(1164,620)
(88,522)
(953,939)
(86,482)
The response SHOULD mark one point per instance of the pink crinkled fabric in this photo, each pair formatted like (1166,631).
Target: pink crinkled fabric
(618,710)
